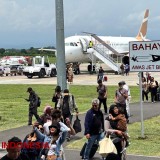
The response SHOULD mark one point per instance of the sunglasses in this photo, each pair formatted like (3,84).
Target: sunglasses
(40,128)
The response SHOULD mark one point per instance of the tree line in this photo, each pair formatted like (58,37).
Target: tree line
(26,52)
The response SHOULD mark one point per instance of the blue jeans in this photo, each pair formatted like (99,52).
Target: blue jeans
(90,143)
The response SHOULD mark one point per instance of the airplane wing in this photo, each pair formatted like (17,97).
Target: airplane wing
(51,50)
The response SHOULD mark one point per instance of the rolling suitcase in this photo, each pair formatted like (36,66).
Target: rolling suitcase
(93,150)
(105,78)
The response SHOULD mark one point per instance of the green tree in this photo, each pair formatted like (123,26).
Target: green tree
(23,51)
(2,51)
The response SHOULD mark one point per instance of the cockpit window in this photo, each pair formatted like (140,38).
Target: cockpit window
(67,44)
(75,44)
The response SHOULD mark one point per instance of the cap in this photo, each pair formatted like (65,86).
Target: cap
(65,92)
(120,83)
(123,82)
(29,89)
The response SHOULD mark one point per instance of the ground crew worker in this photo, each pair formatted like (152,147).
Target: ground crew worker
(90,44)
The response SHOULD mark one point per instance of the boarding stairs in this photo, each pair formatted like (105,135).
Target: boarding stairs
(103,53)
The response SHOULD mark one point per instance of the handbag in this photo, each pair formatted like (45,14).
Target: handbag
(77,125)
(106,147)
(54,99)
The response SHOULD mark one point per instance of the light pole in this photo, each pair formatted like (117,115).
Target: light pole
(61,66)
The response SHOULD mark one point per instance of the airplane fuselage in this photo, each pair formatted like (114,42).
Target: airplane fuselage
(76,46)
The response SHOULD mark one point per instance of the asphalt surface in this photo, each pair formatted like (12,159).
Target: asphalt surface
(149,110)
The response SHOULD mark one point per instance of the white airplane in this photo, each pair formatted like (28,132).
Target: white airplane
(77,47)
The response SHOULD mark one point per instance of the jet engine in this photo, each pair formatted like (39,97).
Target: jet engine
(125,59)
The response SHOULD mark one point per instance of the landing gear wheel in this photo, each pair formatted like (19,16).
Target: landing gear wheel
(116,73)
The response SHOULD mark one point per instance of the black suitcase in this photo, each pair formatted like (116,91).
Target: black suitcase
(92,152)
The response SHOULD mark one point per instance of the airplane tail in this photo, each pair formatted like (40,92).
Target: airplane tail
(143,29)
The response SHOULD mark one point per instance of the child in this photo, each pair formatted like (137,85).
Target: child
(120,121)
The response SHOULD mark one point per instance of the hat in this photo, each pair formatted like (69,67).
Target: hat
(65,92)
(120,83)
(29,89)
(123,82)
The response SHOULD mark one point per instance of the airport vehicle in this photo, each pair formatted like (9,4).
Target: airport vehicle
(108,49)
(14,60)
(15,69)
(40,67)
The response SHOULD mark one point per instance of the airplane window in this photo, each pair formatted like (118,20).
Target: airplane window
(71,44)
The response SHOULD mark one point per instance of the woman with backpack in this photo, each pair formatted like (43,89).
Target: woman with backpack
(67,105)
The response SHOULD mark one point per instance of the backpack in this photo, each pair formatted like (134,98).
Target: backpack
(65,106)
(39,102)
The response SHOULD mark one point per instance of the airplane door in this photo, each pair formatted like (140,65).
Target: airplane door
(84,44)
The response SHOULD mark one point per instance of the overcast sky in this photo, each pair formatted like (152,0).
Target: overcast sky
(31,23)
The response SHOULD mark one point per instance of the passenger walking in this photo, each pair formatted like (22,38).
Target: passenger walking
(46,114)
(153,88)
(33,104)
(68,106)
(57,135)
(122,69)
(102,95)
(145,89)
(31,138)
(70,74)
(94,127)
(56,96)
(111,129)
(127,69)
(120,98)
(119,120)
(14,150)
(125,86)
(100,74)
(148,77)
